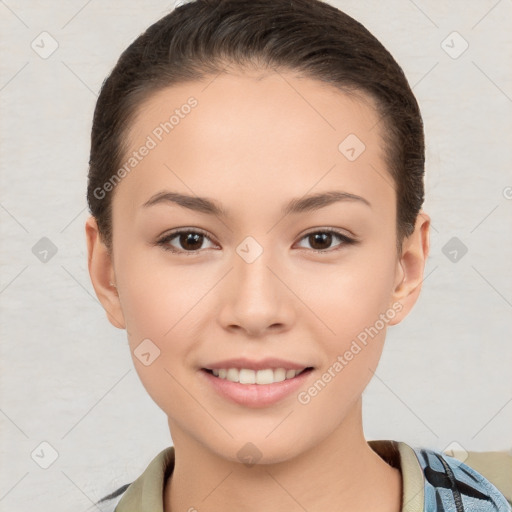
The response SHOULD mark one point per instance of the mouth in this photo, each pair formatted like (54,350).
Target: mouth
(256,388)
(259,377)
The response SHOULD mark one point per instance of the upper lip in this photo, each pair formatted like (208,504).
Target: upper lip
(262,364)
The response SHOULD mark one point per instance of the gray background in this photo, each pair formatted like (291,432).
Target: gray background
(66,376)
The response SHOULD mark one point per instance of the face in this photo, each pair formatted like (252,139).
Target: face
(269,273)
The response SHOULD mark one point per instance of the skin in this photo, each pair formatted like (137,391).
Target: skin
(255,141)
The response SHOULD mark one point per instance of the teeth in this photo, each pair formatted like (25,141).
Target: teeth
(246,376)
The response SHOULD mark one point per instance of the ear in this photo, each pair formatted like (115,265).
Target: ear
(102,274)
(410,268)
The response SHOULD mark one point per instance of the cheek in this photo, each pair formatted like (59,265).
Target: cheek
(352,303)
(354,308)
(348,297)
(162,305)
(158,297)
(159,316)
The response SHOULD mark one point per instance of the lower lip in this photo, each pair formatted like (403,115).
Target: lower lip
(256,395)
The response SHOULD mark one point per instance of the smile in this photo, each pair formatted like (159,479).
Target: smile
(261,377)
(253,394)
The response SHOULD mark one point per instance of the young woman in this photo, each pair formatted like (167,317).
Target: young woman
(256,185)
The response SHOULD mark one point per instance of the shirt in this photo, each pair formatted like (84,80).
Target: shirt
(432,481)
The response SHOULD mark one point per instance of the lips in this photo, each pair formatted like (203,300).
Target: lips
(255,395)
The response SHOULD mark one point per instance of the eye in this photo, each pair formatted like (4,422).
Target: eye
(321,240)
(189,240)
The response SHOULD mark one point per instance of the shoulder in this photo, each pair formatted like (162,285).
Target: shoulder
(148,487)
(453,485)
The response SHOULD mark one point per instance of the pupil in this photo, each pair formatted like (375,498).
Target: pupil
(184,240)
(321,237)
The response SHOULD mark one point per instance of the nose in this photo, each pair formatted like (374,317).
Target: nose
(255,298)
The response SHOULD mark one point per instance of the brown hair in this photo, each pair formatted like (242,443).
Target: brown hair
(314,38)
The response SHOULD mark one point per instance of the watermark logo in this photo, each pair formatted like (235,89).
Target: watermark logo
(44,45)
(147,352)
(352,147)
(457,451)
(454,249)
(249,454)
(454,45)
(44,250)
(44,455)
(249,249)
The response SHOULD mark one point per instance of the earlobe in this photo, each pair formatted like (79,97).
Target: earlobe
(101,271)
(411,266)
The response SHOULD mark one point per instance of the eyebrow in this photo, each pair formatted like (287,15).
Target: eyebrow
(295,206)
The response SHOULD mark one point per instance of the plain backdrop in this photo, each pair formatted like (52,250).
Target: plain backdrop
(66,375)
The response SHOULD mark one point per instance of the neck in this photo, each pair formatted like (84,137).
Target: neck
(340,473)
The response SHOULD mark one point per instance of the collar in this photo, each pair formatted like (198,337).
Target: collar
(146,493)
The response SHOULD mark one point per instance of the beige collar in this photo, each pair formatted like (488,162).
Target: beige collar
(146,493)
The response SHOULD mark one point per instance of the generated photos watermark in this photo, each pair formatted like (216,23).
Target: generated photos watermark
(357,345)
(152,140)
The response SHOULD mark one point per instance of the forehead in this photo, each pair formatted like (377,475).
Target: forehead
(255,135)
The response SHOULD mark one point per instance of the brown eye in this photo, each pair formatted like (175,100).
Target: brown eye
(184,241)
(321,241)
(191,241)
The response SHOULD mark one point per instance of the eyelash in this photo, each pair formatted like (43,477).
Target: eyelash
(164,241)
